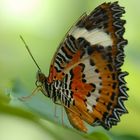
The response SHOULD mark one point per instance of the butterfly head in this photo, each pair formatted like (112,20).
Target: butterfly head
(40,78)
(41,83)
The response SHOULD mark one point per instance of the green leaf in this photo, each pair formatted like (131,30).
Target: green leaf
(4,98)
(98,136)
(124,137)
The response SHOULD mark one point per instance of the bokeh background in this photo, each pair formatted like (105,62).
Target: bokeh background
(43,24)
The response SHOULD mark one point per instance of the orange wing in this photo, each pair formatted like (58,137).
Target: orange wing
(88,65)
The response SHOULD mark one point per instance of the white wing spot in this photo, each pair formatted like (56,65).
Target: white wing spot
(92,77)
(95,36)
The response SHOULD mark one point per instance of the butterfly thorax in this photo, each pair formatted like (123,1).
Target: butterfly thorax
(41,78)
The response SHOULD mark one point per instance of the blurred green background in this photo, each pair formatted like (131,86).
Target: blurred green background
(43,24)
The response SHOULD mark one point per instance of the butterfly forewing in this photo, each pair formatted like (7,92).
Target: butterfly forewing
(87,64)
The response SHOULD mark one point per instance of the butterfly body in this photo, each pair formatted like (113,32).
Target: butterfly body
(85,74)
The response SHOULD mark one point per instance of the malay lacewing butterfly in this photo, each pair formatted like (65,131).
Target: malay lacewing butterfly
(85,74)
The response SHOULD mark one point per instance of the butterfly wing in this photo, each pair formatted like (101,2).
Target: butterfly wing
(88,63)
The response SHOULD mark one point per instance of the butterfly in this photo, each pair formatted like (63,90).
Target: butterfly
(85,75)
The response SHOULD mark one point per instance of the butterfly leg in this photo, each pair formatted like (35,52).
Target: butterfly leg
(62,115)
(62,112)
(55,110)
(35,91)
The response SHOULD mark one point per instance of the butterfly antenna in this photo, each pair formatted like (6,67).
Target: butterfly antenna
(30,52)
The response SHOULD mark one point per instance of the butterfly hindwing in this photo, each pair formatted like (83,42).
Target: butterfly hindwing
(88,63)
(75,120)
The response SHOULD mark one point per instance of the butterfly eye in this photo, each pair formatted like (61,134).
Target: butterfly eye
(38,83)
